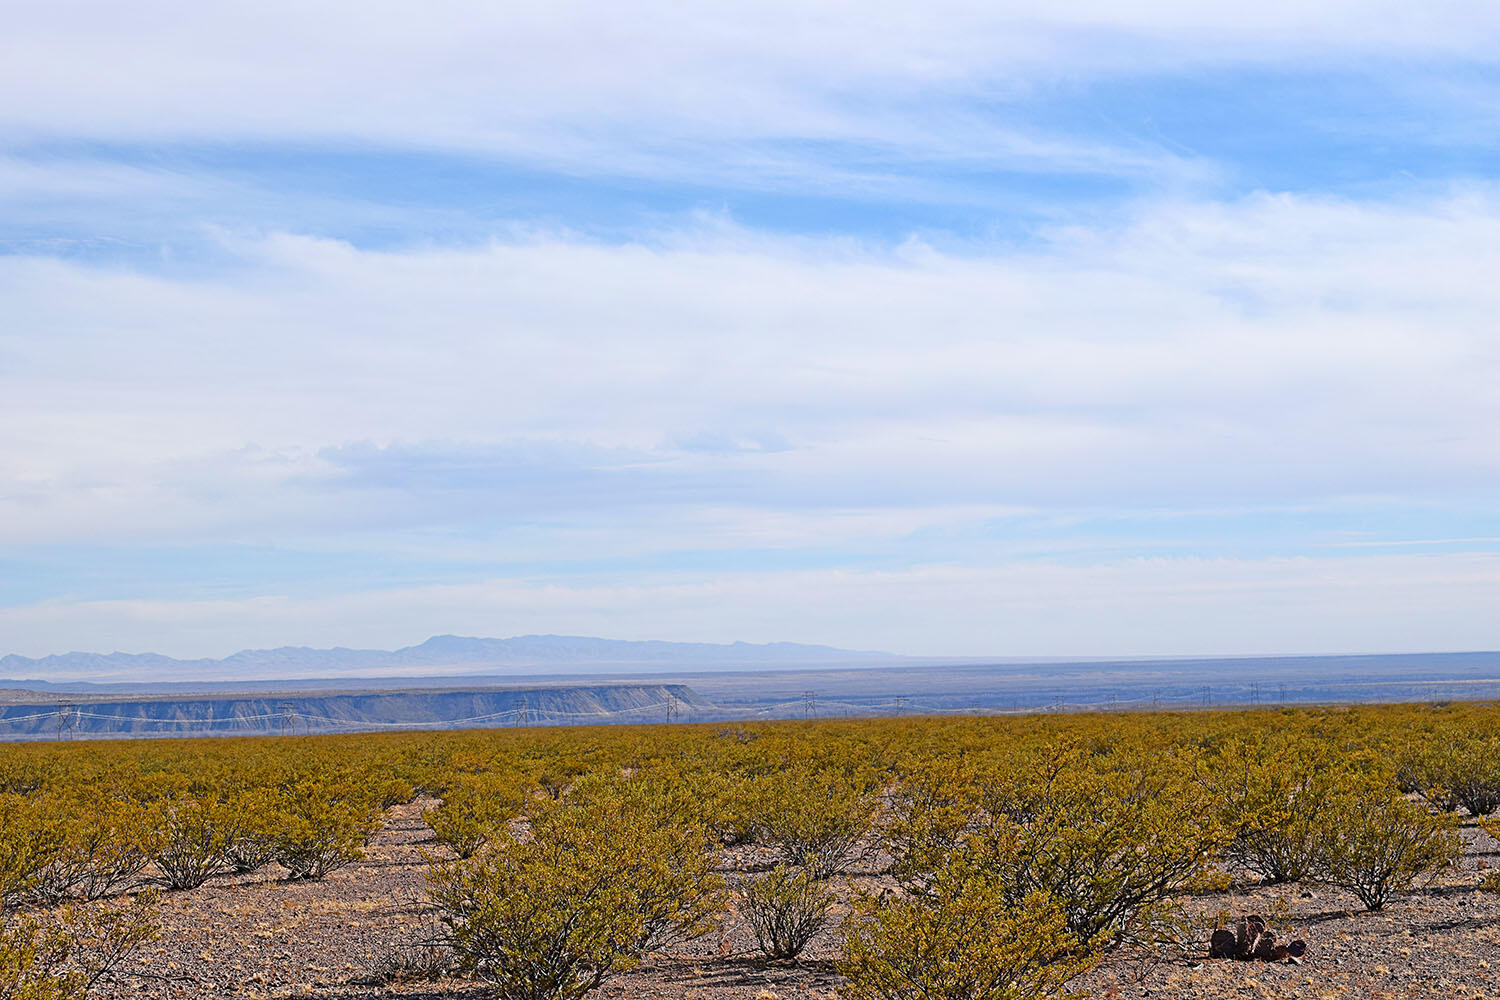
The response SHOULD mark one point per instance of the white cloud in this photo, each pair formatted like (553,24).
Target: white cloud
(656,88)
(550,395)
(553,397)
(1277,350)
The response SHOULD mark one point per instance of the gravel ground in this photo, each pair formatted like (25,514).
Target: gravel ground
(259,936)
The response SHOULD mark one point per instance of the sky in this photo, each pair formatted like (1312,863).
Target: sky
(1077,329)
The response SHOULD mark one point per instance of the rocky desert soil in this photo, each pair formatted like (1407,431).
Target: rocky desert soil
(259,936)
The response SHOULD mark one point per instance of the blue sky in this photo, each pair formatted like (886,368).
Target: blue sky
(960,329)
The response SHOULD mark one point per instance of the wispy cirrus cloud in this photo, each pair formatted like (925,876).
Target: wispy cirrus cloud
(583,310)
(881,102)
(1280,348)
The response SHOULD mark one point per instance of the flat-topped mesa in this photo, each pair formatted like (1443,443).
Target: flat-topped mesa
(334,712)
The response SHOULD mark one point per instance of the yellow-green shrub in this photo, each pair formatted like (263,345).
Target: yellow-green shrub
(29,842)
(786,908)
(1380,844)
(254,843)
(62,954)
(1111,840)
(196,836)
(33,961)
(594,886)
(963,939)
(1274,800)
(1453,764)
(817,818)
(323,826)
(474,808)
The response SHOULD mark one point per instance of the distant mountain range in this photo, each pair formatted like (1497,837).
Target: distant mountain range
(547,654)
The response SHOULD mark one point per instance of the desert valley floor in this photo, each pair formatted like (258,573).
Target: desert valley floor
(262,937)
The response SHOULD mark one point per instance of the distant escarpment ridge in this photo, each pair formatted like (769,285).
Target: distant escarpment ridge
(340,712)
(697,691)
(539,654)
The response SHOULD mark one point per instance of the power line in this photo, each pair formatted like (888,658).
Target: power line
(67,714)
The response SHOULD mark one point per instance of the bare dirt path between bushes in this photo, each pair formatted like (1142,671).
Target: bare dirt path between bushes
(259,936)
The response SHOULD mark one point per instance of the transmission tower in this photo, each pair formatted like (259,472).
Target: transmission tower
(809,704)
(523,713)
(288,721)
(671,708)
(901,704)
(67,715)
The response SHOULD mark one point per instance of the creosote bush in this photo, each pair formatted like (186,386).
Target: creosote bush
(475,807)
(33,961)
(1023,848)
(418,963)
(1379,844)
(786,908)
(1455,765)
(254,843)
(816,817)
(87,845)
(1274,798)
(62,954)
(726,802)
(29,841)
(197,834)
(963,939)
(1110,839)
(1491,880)
(323,827)
(596,885)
